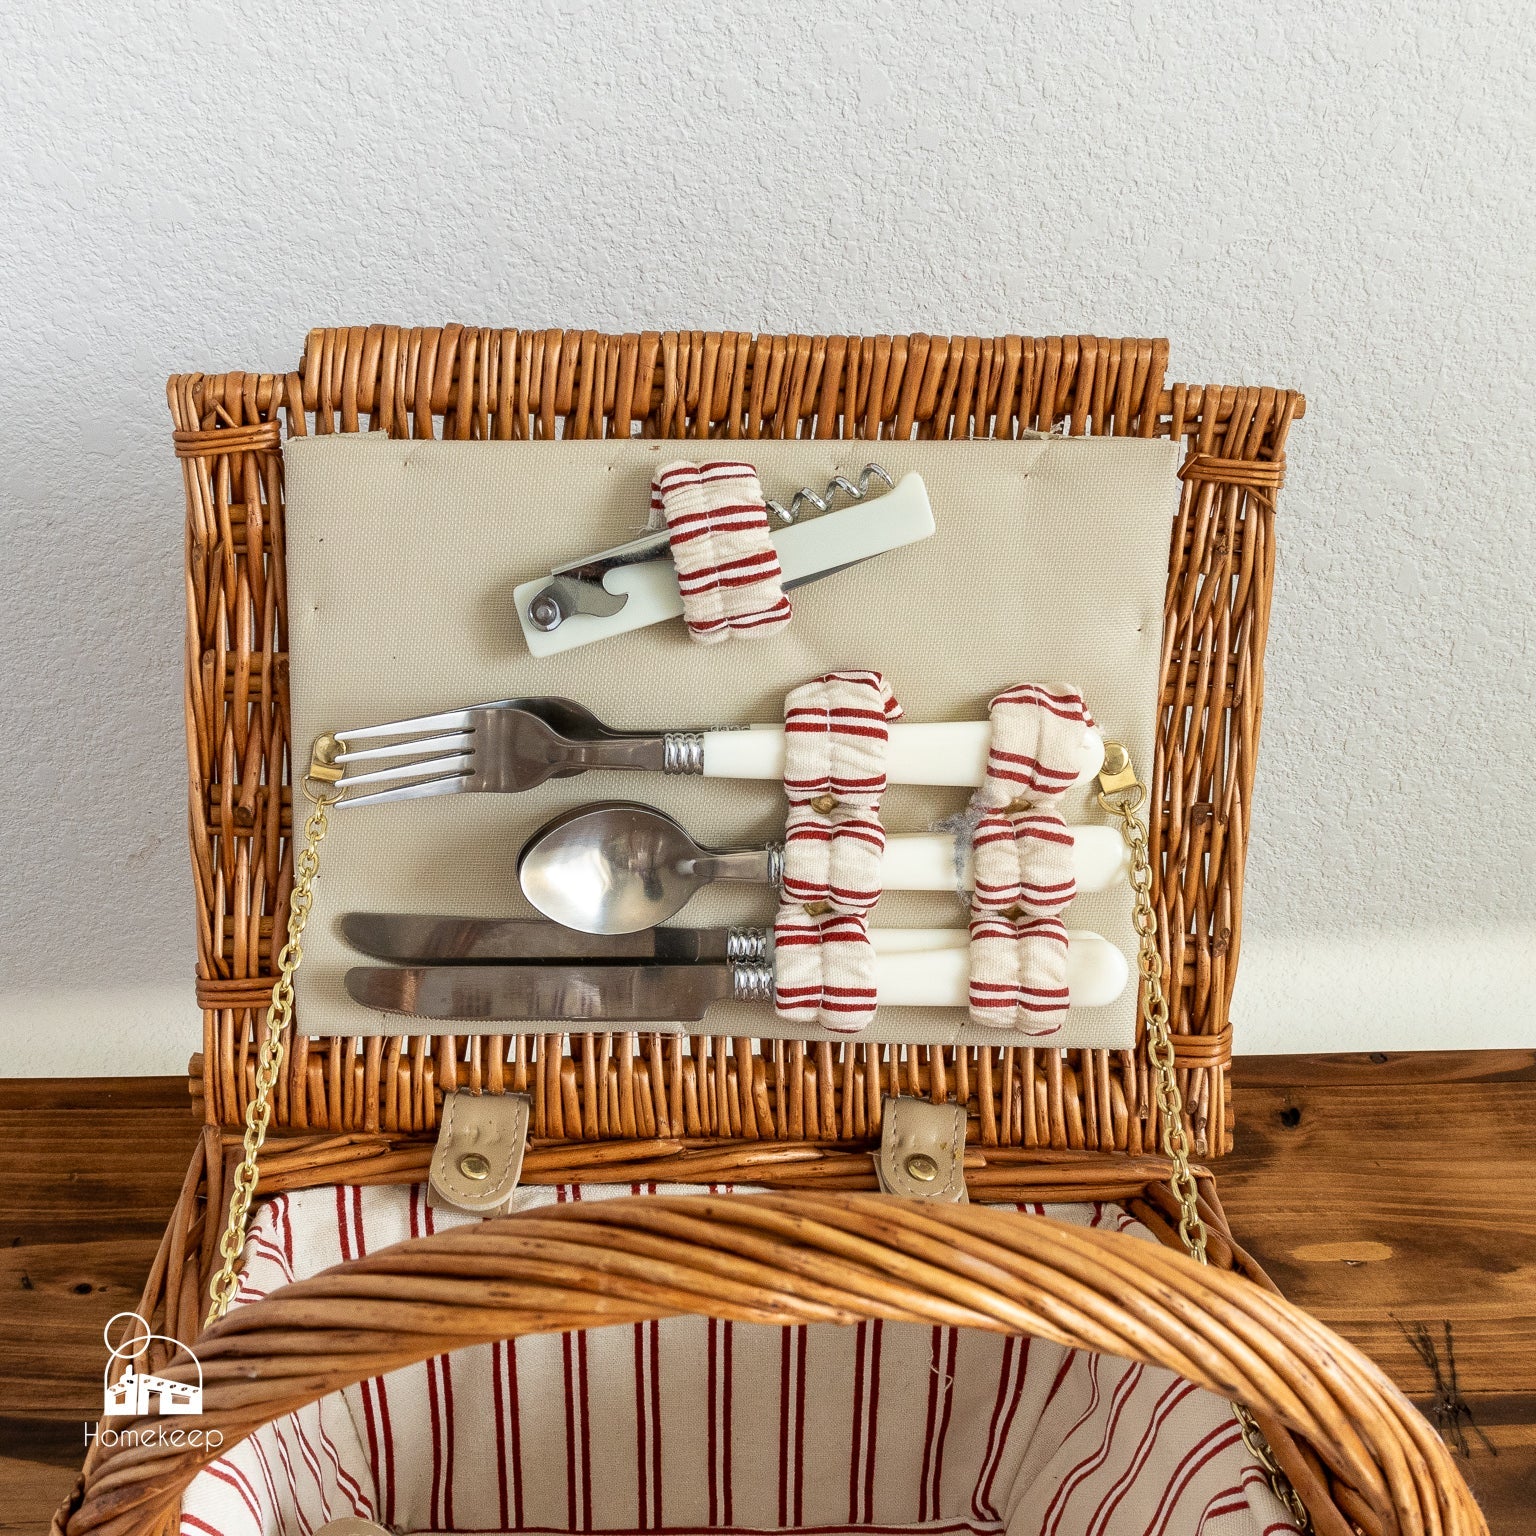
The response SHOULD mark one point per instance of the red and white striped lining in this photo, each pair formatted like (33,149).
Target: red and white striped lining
(1022,859)
(692,1425)
(836,734)
(727,567)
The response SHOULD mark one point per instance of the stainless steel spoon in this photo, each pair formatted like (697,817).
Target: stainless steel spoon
(617,867)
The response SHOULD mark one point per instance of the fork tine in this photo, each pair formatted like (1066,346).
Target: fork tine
(458,741)
(463,762)
(451,720)
(446,784)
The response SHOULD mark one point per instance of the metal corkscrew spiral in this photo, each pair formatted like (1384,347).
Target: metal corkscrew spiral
(838,484)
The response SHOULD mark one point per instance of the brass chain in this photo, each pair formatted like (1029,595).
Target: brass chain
(1122,795)
(321,787)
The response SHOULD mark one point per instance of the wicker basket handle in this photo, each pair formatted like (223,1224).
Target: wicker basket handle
(796,1259)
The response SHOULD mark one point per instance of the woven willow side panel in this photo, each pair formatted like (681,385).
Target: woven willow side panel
(470,383)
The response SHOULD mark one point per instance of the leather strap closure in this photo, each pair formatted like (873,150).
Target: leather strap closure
(922,1150)
(479,1154)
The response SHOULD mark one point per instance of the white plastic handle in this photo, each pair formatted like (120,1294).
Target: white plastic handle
(917,941)
(925,861)
(939,977)
(950,752)
(880,523)
(930,967)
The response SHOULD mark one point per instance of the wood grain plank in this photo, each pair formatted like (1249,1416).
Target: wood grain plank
(1380,1202)
(89,1172)
(1503,1480)
(88,1177)
(1380,1067)
(39,1462)
(1380,1191)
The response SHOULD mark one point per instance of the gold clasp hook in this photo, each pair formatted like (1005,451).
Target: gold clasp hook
(322,780)
(1118,777)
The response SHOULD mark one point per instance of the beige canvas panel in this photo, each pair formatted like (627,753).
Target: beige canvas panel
(1050,562)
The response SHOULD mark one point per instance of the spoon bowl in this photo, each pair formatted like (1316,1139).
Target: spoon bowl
(618,867)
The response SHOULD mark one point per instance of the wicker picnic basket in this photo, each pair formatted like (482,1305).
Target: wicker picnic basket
(799,1120)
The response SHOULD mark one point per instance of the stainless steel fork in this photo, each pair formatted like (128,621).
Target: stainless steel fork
(502,747)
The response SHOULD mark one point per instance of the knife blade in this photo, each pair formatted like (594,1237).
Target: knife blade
(411,939)
(571,993)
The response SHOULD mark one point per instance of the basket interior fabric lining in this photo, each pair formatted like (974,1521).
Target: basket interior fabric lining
(694,1425)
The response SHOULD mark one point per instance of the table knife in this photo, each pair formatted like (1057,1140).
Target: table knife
(585,994)
(411,939)
(660,992)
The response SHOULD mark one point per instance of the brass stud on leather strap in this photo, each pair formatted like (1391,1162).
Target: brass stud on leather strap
(478,1159)
(922,1149)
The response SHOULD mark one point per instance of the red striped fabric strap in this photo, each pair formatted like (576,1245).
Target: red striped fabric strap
(727,568)
(1022,859)
(824,969)
(835,740)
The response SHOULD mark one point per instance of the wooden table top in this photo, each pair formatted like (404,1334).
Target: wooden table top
(1380,1192)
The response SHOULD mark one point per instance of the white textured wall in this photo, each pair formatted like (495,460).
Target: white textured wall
(1337,196)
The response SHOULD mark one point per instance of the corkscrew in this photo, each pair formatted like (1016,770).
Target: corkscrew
(635,584)
(853,490)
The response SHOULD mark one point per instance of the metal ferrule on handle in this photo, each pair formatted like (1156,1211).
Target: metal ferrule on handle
(752,983)
(748,944)
(683,752)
